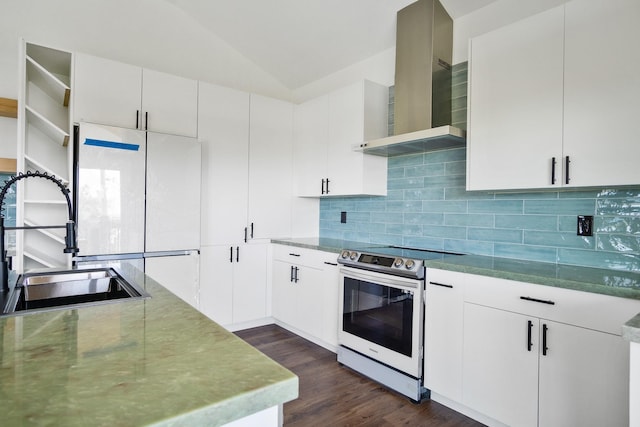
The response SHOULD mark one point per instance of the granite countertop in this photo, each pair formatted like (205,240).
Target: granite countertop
(156,361)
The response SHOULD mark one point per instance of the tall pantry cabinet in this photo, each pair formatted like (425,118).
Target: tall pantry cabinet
(246,198)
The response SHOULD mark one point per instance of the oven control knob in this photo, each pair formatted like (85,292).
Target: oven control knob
(353,256)
(410,264)
(344,254)
(398,262)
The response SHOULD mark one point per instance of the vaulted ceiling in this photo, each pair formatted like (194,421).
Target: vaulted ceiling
(301,41)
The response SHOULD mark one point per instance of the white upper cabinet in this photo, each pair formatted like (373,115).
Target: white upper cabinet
(270,168)
(553,99)
(223,129)
(327,131)
(515,104)
(601,91)
(117,94)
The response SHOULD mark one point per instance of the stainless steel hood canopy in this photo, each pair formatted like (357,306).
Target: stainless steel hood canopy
(422,109)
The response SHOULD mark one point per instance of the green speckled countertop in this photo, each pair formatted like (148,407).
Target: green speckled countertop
(148,362)
(625,284)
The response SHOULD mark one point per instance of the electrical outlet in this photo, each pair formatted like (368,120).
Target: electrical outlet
(585,225)
(343,217)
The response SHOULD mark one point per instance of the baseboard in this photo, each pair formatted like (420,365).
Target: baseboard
(458,407)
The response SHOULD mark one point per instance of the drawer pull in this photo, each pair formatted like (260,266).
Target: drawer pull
(331,263)
(538,300)
(294,254)
(444,285)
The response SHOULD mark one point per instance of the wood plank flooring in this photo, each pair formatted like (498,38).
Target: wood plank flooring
(333,395)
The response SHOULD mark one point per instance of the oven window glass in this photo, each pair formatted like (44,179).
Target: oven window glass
(379,314)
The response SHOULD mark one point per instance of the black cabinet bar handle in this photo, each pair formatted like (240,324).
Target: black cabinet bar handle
(292,254)
(331,263)
(291,275)
(137,119)
(529,329)
(230,253)
(237,253)
(553,170)
(146,120)
(538,300)
(252,230)
(441,284)
(245,234)
(322,190)
(566,169)
(544,339)
(327,185)
(296,276)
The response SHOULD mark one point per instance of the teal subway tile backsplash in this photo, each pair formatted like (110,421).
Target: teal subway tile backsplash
(434,211)
(428,207)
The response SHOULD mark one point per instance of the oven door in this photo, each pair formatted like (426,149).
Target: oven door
(381,317)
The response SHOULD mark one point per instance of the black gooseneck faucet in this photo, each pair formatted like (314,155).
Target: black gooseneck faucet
(70,238)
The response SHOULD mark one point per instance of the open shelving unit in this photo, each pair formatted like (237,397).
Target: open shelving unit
(44,131)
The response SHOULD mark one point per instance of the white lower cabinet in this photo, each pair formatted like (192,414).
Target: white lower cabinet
(233,284)
(522,354)
(179,274)
(443,331)
(305,292)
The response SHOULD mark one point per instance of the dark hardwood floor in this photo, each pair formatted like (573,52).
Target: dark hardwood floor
(333,395)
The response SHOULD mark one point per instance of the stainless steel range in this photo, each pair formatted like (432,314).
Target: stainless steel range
(381,318)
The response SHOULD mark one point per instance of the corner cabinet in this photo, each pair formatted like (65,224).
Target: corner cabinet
(543,111)
(44,131)
(327,129)
(305,293)
(117,94)
(525,354)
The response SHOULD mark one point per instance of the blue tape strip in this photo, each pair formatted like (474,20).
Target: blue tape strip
(111,144)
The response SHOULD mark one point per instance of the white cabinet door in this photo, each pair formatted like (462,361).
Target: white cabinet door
(179,274)
(106,91)
(329,285)
(284,298)
(584,377)
(170,103)
(311,136)
(515,104)
(270,167)
(249,282)
(173,193)
(500,365)
(357,113)
(216,284)
(223,128)
(443,332)
(601,92)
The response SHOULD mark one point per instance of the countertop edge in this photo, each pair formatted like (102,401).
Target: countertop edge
(631,329)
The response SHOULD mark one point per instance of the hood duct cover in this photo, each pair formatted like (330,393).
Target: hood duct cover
(422,106)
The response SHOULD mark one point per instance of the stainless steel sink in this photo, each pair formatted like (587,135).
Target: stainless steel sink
(68,289)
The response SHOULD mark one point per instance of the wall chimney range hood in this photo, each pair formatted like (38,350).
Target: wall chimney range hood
(422,106)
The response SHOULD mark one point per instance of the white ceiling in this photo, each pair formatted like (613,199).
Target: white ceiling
(301,41)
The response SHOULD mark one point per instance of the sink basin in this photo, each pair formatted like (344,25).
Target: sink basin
(68,289)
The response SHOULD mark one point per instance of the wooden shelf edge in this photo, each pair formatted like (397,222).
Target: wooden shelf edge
(8,165)
(9,108)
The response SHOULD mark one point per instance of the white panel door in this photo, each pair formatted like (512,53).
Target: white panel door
(310,146)
(223,129)
(249,282)
(270,167)
(500,370)
(601,92)
(584,378)
(515,104)
(173,193)
(216,283)
(170,103)
(106,91)
(179,274)
(111,190)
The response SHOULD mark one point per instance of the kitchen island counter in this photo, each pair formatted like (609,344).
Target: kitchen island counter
(156,361)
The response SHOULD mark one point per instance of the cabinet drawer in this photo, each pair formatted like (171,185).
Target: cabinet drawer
(594,311)
(303,256)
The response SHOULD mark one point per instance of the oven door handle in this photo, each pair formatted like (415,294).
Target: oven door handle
(381,279)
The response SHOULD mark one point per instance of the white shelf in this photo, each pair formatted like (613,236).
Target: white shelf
(47,127)
(49,83)
(41,258)
(45,232)
(42,168)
